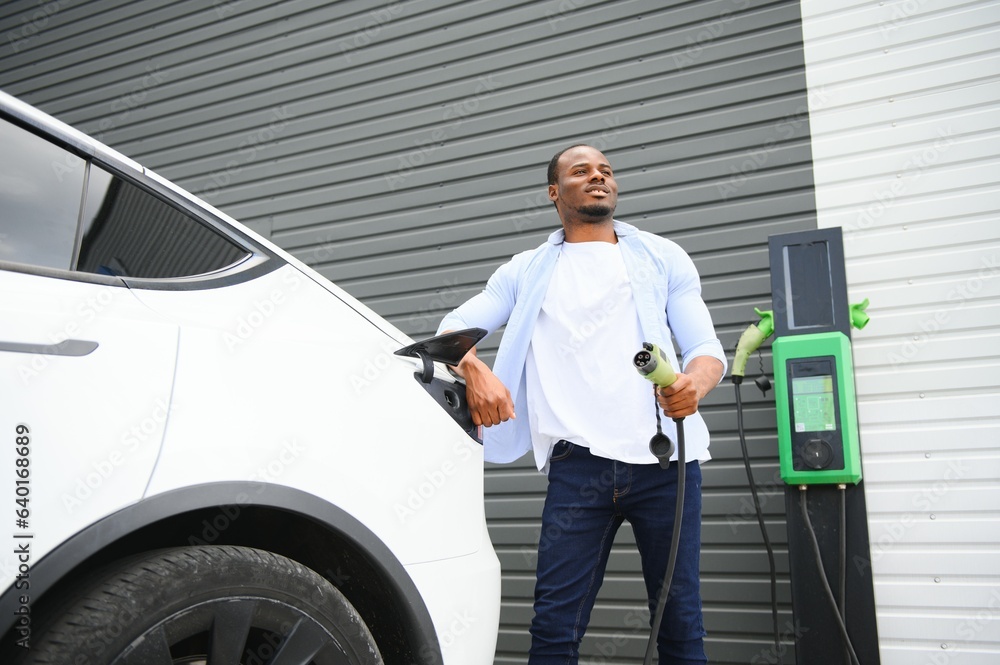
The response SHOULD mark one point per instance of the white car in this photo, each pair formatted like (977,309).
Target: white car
(210,453)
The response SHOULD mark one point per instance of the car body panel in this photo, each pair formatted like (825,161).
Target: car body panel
(96,420)
(311,395)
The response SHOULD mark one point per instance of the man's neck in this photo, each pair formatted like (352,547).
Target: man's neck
(603,231)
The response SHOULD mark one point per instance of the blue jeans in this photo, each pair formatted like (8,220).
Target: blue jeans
(588,498)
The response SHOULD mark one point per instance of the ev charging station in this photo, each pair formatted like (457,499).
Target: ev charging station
(818,446)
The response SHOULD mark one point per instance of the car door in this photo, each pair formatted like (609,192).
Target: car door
(86,370)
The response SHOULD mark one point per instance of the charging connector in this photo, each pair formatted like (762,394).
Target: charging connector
(652,363)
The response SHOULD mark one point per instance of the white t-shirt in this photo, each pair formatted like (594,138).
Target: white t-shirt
(581,384)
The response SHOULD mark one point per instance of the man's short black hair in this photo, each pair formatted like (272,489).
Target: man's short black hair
(554,162)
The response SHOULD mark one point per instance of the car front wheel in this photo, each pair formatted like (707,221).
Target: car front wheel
(207,606)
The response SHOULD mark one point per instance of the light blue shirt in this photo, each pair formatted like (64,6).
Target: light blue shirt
(667,293)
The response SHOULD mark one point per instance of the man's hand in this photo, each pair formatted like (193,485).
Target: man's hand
(681,398)
(488,398)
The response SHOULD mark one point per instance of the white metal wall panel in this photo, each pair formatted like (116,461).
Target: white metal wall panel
(905,118)
(400,148)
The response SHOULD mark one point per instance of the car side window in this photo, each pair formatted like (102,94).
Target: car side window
(58,210)
(127,231)
(41,187)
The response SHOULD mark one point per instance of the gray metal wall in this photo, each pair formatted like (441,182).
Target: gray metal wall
(400,148)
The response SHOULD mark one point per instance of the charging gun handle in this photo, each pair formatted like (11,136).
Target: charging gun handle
(652,363)
(750,340)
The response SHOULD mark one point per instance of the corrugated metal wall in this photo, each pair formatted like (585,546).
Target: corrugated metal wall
(400,148)
(906,129)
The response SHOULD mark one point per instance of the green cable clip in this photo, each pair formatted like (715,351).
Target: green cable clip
(860,318)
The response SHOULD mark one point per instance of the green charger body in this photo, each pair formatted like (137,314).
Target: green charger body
(816,403)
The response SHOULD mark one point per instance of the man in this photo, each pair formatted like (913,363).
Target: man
(577,309)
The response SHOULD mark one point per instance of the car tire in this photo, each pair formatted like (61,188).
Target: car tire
(198,605)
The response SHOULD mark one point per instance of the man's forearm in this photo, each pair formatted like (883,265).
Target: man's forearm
(706,372)
(470,363)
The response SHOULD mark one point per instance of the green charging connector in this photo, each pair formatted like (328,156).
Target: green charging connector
(751,339)
(652,363)
(816,409)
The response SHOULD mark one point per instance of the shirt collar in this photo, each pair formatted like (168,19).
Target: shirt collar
(558,236)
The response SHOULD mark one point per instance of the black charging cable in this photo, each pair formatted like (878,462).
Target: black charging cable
(675,537)
(737,380)
(817,555)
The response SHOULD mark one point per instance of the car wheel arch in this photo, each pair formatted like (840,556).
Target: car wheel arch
(276,518)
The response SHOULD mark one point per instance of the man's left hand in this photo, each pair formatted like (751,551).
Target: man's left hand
(681,398)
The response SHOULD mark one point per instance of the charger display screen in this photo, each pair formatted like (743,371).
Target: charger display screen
(813,403)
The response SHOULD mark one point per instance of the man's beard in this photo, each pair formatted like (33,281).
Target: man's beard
(595,211)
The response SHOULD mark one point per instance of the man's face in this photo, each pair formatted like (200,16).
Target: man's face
(585,185)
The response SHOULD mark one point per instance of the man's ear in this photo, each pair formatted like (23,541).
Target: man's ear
(553,193)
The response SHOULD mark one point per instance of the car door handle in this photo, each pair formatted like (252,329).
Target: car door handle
(68,347)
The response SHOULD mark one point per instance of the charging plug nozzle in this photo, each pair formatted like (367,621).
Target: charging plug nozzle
(653,364)
(750,341)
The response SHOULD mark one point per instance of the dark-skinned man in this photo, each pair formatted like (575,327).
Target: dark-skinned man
(563,387)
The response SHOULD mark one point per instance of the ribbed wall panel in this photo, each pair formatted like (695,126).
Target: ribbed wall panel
(400,148)
(906,138)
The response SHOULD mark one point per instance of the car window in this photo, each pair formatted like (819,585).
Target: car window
(58,210)
(127,231)
(41,187)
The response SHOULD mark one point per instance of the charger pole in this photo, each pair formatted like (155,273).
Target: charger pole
(819,447)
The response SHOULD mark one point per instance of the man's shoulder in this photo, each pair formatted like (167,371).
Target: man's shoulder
(656,243)
(521,260)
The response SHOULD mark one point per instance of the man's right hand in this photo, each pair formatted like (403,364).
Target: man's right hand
(488,398)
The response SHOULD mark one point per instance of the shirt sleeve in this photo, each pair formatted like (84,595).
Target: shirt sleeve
(688,316)
(489,309)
